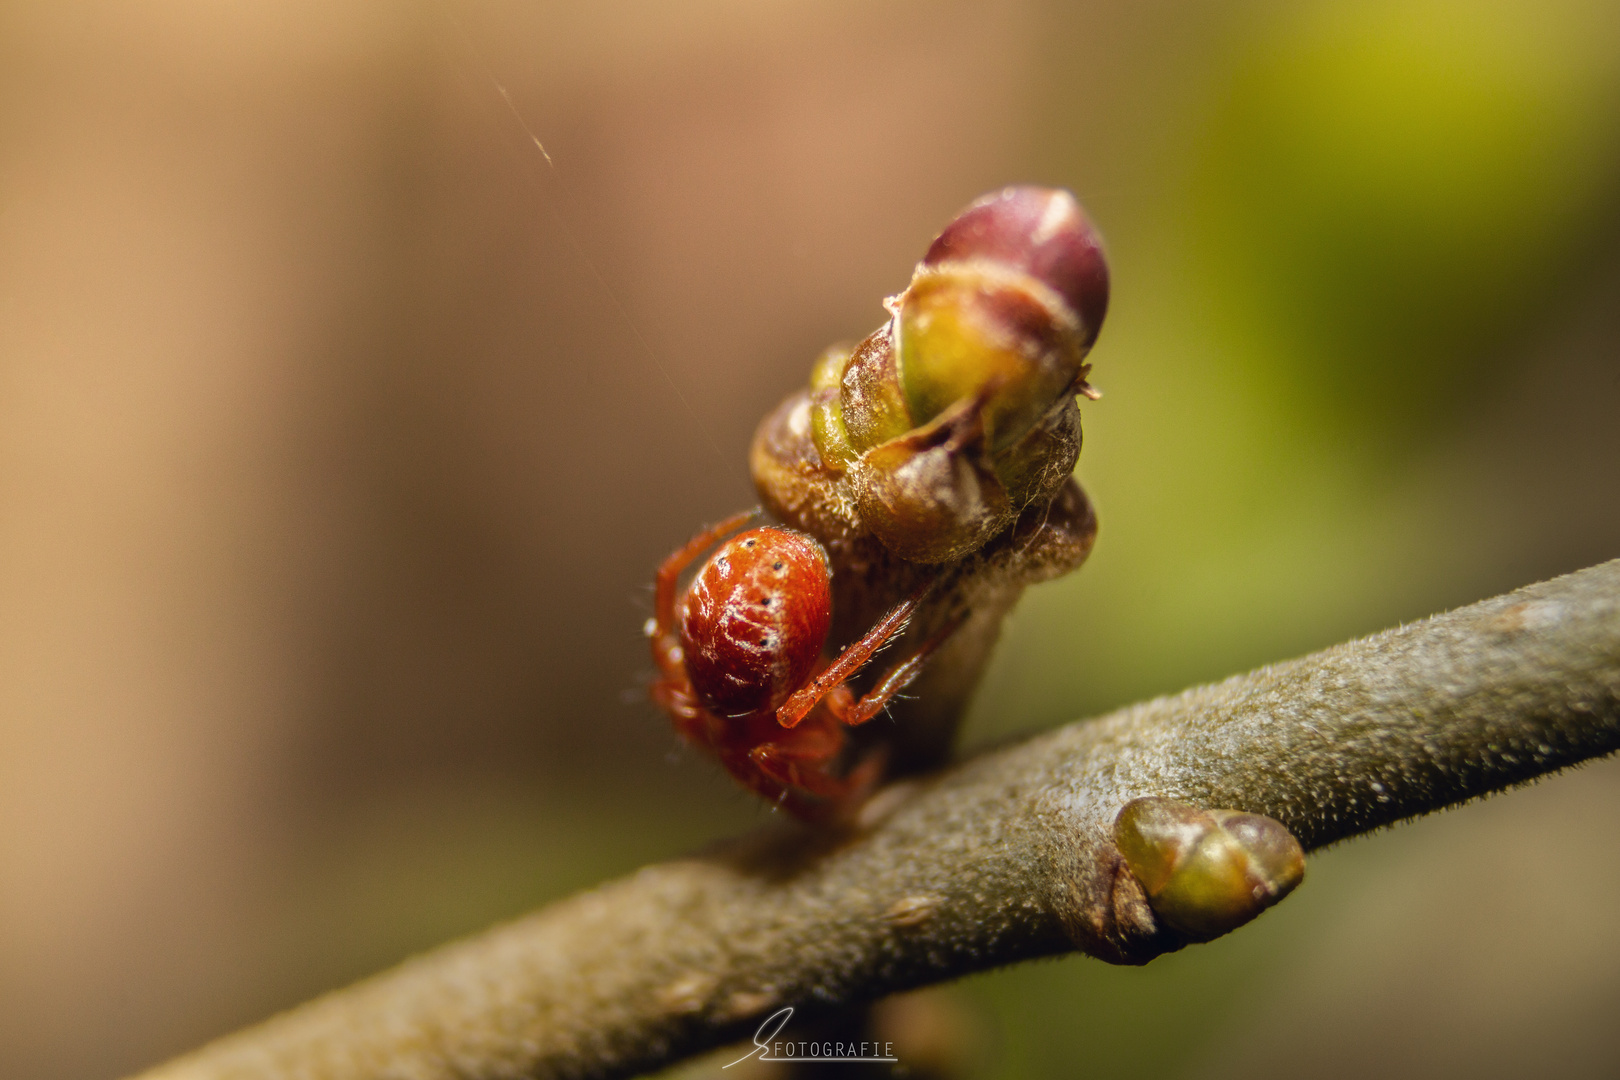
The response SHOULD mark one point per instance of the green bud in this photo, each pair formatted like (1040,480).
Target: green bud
(827,407)
(949,420)
(977,330)
(874,402)
(1207,872)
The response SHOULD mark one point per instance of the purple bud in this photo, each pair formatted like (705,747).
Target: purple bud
(1041,231)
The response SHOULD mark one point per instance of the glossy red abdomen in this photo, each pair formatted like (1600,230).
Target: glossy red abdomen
(755,619)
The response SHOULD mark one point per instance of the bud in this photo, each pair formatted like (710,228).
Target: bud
(947,439)
(1042,232)
(959,411)
(1207,872)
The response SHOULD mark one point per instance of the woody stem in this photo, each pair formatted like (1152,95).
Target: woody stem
(1001,858)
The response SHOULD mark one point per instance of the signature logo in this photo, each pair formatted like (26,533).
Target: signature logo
(767,1047)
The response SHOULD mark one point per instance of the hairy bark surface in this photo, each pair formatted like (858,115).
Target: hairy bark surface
(1006,856)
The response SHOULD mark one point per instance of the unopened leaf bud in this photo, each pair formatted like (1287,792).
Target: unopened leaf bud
(1207,872)
(1042,232)
(974,330)
(959,411)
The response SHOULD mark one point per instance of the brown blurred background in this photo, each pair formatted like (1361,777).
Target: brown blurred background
(340,435)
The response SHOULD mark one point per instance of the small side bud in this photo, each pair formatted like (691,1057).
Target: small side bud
(1207,872)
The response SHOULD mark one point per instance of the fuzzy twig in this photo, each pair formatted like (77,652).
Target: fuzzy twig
(1007,856)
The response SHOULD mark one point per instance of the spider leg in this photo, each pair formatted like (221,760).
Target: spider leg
(896,679)
(839,700)
(808,789)
(661,628)
(864,777)
(851,660)
(675,697)
(773,788)
(803,768)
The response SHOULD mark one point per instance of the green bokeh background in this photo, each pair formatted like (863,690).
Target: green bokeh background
(1332,276)
(1362,218)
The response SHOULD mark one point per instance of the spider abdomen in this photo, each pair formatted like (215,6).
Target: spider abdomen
(755,619)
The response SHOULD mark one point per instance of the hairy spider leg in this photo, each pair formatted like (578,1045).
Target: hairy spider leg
(840,700)
(796,774)
(852,659)
(800,757)
(675,697)
(666,641)
(772,781)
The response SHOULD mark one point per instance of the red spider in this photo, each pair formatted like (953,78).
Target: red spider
(736,658)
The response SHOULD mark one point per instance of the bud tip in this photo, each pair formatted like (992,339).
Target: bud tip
(1042,231)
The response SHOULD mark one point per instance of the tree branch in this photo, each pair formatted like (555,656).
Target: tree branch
(1007,856)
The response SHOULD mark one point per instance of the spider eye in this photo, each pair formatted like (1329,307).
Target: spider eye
(776,565)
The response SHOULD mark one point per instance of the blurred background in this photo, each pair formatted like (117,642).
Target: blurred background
(340,434)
